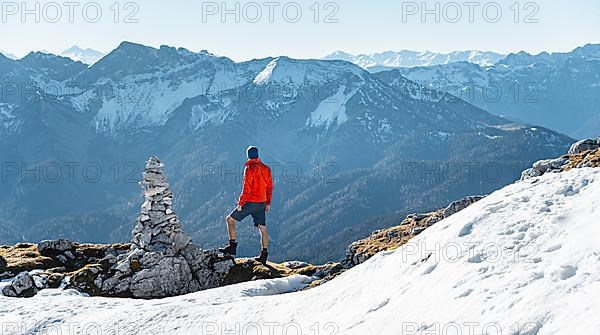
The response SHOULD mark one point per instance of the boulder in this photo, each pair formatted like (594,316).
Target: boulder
(584,145)
(459,205)
(544,166)
(295,265)
(394,237)
(54,247)
(22,286)
(417,230)
(170,276)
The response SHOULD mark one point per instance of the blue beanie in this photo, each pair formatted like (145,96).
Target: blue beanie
(252,152)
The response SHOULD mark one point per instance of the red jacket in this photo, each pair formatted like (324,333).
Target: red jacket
(258,183)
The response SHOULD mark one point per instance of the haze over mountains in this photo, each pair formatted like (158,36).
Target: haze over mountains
(346,145)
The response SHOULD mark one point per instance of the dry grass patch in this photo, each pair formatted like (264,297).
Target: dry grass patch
(26,257)
(585,159)
(395,237)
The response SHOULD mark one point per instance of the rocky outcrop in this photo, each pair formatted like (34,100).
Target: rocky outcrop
(54,247)
(162,261)
(585,153)
(24,261)
(22,286)
(459,205)
(394,237)
(585,145)
(545,166)
(53,268)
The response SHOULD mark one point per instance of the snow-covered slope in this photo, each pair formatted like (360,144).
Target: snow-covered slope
(524,260)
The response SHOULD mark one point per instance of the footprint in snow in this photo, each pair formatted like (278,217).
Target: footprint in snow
(565,272)
(476,259)
(554,248)
(466,230)
(537,275)
(379,306)
(430,269)
(465,294)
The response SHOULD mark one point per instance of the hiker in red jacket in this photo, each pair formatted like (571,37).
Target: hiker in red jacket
(254,201)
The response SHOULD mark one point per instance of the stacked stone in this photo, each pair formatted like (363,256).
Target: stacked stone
(163,261)
(158,228)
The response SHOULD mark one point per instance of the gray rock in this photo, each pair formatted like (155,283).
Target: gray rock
(62,259)
(416,216)
(417,230)
(40,281)
(22,286)
(171,276)
(54,246)
(295,265)
(584,145)
(544,166)
(530,173)
(98,282)
(461,204)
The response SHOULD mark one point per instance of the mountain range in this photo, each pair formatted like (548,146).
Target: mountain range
(407,58)
(346,146)
(87,56)
(555,90)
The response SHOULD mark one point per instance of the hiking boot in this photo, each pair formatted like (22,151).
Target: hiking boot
(263,257)
(231,249)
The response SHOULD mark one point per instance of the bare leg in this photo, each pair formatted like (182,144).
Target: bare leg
(264,236)
(231,227)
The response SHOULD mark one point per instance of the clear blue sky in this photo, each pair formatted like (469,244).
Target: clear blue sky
(362,27)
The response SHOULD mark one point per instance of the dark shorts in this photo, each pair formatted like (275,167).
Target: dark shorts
(256,209)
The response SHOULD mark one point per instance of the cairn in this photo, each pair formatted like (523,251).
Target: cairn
(158,228)
(163,261)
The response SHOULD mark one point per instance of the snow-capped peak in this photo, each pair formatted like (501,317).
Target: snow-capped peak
(86,56)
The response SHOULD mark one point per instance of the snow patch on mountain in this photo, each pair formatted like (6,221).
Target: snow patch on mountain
(264,76)
(9,122)
(532,243)
(204,118)
(148,100)
(332,110)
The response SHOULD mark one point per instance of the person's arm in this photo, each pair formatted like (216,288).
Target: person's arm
(269,187)
(245,187)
